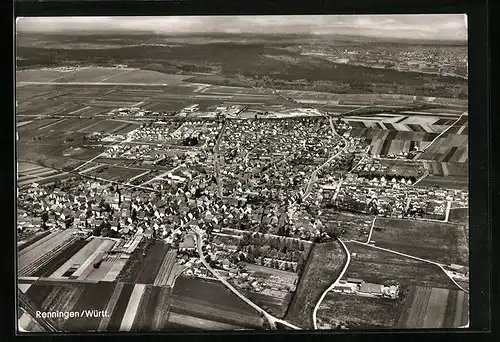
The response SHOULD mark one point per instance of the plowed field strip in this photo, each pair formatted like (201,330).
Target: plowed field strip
(451,303)
(133,305)
(152,264)
(64,256)
(140,317)
(161,314)
(30,242)
(457,321)
(117,315)
(103,325)
(150,308)
(436,308)
(200,323)
(165,268)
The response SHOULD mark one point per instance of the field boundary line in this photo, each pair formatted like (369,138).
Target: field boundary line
(412,257)
(348,261)
(371,230)
(443,132)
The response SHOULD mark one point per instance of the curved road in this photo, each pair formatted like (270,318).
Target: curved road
(272,320)
(335,283)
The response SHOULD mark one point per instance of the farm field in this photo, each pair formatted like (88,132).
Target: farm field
(445,182)
(448,148)
(153,309)
(440,242)
(166,273)
(80,265)
(380,267)
(56,297)
(347,225)
(94,297)
(115,173)
(323,266)
(449,169)
(31,239)
(197,323)
(275,303)
(30,259)
(97,75)
(29,173)
(60,259)
(210,300)
(388,142)
(459,215)
(145,262)
(358,312)
(430,307)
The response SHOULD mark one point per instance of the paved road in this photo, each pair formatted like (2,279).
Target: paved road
(217,160)
(272,320)
(335,283)
(312,179)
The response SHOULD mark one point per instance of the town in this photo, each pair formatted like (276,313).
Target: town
(243,181)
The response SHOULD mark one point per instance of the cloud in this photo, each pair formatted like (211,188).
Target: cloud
(442,26)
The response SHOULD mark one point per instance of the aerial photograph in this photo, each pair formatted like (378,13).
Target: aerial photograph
(199,173)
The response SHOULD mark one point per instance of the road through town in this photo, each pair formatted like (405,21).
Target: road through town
(272,320)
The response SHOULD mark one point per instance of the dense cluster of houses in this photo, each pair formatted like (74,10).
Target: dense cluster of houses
(274,158)
(393,198)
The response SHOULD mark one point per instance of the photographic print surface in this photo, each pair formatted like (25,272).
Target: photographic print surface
(242,172)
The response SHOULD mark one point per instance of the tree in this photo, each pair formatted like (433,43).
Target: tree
(97,231)
(44,216)
(300,265)
(301,246)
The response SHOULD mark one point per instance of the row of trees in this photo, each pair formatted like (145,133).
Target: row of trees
(259,246)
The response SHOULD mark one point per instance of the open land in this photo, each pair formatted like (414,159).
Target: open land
(359,312)
(430,307)
(380,267)
(440,242)
(210,300)
(322,268)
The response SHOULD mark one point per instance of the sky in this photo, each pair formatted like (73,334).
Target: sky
(420,26)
